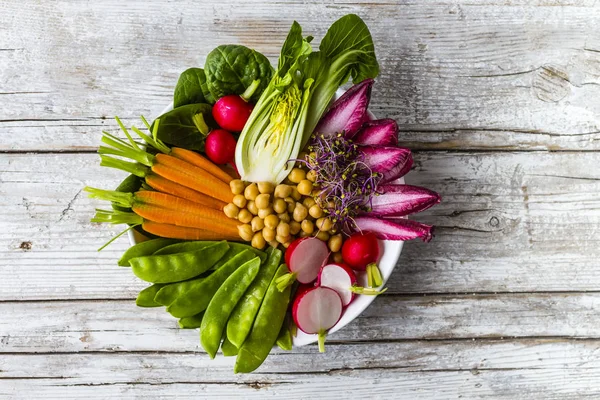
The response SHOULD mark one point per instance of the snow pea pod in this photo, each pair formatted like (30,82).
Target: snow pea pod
(172,291)
(228,348)
(197,297)
(146,297)
(177,267)
(222,304)
(265,330)
(192,322)
(167,295)
(284,340)
(242,317)
(144,249)
(197,245)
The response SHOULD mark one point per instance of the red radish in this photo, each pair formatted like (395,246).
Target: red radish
(231,112)
(342,279)
(361,251)
(316,311)
(304,259)
(220,146)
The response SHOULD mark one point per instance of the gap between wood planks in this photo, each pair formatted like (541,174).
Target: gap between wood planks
(387,295)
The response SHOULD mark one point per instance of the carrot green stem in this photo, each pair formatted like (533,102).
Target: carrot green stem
(286,280)
(116,217)
(123,199)
(374,277)
(321,340)
(118,236)
(133,168)
(200,123)
(133,143)
(250,90)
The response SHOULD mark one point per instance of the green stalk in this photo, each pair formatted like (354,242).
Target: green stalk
(133,168)
(123,199)
(374,277)
(117,236)
(250,90)
(321,340)
(200,123)
(117,217)
(366,291)
(286,280)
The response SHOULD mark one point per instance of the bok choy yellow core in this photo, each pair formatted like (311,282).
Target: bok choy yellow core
(288,110)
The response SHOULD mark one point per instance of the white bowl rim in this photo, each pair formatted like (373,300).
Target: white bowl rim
(388,259)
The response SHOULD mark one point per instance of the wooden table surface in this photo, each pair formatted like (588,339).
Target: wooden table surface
(500,100)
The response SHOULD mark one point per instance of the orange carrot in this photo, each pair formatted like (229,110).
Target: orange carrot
(201,162)
(174,203)
(185,233)
(191,176)
(166,186)
(224,226)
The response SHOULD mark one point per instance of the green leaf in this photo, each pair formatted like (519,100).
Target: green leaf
(178,127)
(230,69)
(192,88)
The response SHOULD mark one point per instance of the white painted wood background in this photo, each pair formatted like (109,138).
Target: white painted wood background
(499,98)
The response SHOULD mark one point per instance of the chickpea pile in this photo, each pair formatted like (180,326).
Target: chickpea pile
(279,214)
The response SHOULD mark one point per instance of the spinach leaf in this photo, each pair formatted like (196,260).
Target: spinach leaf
(181,126)
(192,88)
(230,69)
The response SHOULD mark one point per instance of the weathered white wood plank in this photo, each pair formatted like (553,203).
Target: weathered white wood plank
(526,369)
(78,326)
(508,222)
(494,74)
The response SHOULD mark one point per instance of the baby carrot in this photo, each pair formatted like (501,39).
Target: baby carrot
(191,176)
(223,224)
(171,202)
(201,162)
(166,186)
(184,233)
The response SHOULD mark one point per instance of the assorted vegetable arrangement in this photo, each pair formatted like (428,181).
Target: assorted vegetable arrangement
(264,205)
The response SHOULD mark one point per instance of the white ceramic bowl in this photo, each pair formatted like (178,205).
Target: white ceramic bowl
(389,255)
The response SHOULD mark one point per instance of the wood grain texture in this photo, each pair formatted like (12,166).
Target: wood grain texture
(502,304)
(119,325)
(521,369)
(456,75)
(509,222)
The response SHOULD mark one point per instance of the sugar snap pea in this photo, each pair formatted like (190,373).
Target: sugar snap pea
(222,304)
(145,248)
(284,340)
(146,297)
(197,297)
(228,348)
(169,293)
(172,291)
(197,245)
(266,327)
(177,267)
(192,322)
(243,315)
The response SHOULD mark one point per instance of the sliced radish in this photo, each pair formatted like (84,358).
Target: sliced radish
(316,311)
(304,259)
(342,279)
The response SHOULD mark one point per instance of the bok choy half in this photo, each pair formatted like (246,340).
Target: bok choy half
(289,109)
